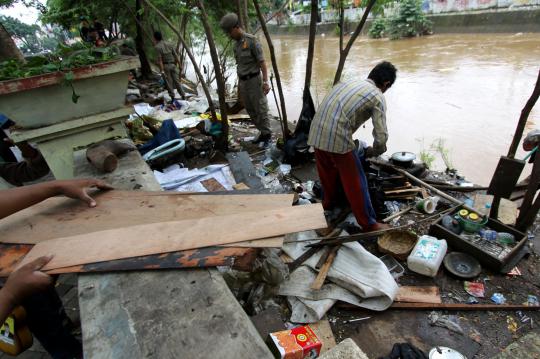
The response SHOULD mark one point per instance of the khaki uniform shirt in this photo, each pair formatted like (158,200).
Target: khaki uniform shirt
(167,52)
(346,107)
(248,53)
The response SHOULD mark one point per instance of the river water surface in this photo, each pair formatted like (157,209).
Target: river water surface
(467,89)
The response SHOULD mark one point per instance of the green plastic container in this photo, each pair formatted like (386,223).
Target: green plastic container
(470,226)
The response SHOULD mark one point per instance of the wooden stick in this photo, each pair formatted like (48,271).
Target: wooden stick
(418,181)
(360,236)
(321,277)
(311,251)
(411,190)
(397,214)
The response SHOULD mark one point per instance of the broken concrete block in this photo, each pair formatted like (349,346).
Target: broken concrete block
(347,349)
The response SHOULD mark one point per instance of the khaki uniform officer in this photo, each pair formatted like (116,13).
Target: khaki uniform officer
(168,59)
(249,65)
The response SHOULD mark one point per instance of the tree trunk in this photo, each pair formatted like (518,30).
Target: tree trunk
(341,25)
(275,68)
(240,12)
(523,118)
(345,52)
(190,55)
(8,49)
(244,4)
(311,46)
(146,70)
(219,78)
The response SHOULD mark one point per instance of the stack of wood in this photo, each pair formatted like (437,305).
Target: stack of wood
(405,192)
(147,230)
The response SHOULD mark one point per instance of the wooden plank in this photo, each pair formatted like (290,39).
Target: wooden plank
(238,117)
(240,186)
(414,294)
(63,217)
(321,276)
(238,258)
(167,237)
(212,185)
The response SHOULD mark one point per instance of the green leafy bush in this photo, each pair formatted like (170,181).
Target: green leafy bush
(410,21)
(377,28)
(65,58)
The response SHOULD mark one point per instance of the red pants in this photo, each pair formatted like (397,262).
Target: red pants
(345,171)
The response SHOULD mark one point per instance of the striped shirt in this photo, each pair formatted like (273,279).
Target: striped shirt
(347,106)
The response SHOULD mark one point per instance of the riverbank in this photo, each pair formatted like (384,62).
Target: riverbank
(484,21)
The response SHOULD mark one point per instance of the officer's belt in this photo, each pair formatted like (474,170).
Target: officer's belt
(249,76)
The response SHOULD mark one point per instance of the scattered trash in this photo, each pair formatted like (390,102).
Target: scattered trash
(524,318)
(472,300)
(449,322)
(532,301)
(396,269)
(475,335)
(355,320)
(498,298)
(514,272)
(475,289)
(512,324)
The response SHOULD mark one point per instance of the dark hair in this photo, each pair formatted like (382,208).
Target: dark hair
(383,72)
(158,36)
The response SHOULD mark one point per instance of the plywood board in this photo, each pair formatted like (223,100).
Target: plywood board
(212,185)
(508,210)
(167,237)
(63,217)
(414,294)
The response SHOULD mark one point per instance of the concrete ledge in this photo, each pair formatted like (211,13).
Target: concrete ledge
(485,21)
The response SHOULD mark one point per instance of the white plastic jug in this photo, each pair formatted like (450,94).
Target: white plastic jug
(427,255)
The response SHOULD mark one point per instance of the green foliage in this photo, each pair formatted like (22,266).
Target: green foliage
(410,21)
(439,146)
(64,59)
(378,28)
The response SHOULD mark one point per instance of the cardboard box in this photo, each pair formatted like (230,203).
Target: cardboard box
(297,343)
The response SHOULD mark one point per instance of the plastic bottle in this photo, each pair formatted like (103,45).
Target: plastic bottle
(427,255)
(488,234)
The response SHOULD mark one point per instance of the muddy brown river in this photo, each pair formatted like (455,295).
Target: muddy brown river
(466,89)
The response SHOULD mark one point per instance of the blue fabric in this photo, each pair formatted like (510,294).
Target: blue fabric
(359,158)
(166,133)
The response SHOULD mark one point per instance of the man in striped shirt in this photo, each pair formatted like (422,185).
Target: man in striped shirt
(349,105)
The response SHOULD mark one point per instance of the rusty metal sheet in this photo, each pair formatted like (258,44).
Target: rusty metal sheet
(238,258)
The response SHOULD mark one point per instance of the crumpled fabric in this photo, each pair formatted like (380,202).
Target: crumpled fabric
(357,277)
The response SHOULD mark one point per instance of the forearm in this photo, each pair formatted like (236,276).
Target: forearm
(16,199)
(160,63)
(6,305)
(264,71)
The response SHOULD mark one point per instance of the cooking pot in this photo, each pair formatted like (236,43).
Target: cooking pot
(403,159)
